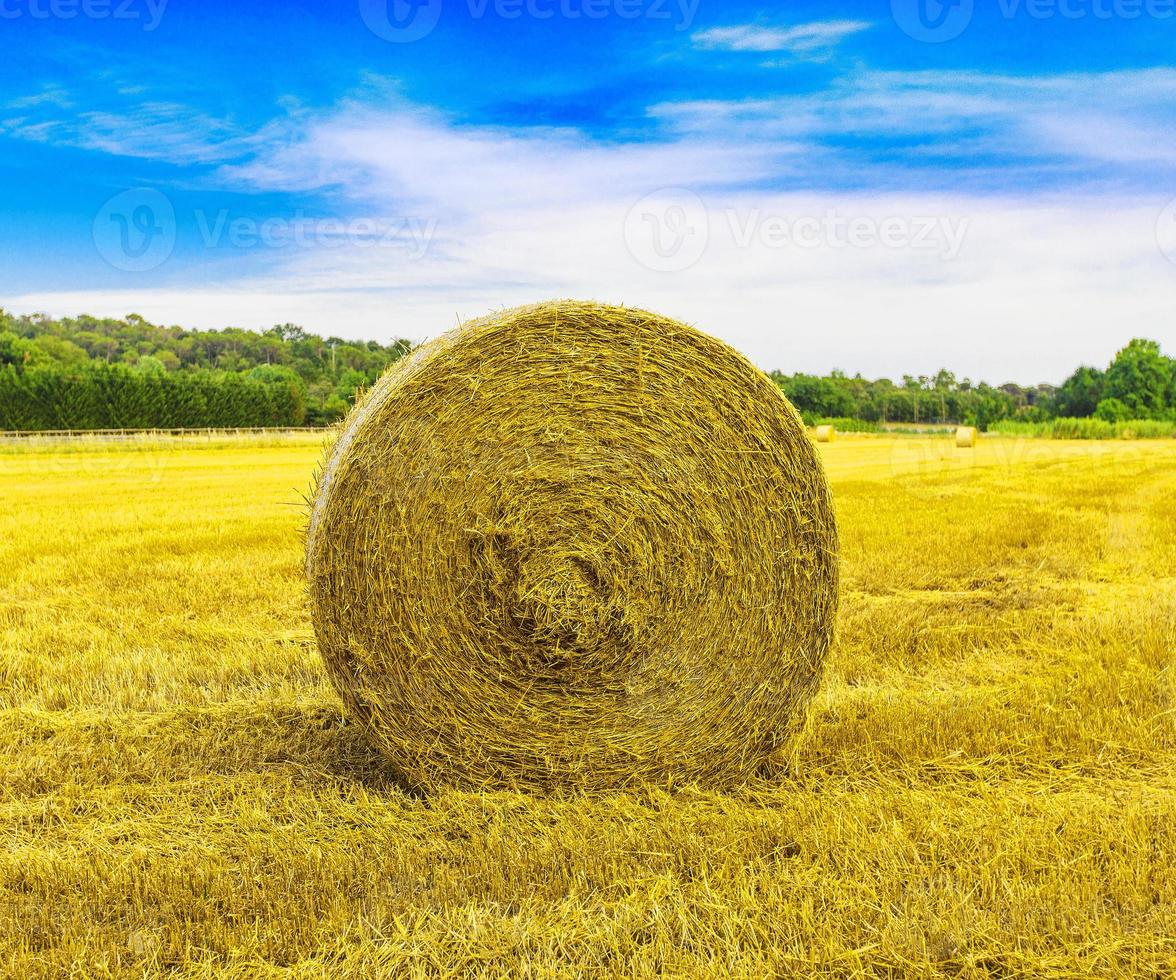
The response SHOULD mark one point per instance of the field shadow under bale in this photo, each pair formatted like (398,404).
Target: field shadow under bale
(326,744)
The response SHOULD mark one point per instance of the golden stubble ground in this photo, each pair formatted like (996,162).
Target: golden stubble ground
(987,787)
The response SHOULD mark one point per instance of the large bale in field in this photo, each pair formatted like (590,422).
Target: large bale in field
(574,545)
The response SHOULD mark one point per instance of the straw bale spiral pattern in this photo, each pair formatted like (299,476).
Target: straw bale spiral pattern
(572,545)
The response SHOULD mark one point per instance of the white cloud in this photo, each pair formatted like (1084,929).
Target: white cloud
(1029,122)
(1034,291)
(416,157)
(800,40)
(1038,283)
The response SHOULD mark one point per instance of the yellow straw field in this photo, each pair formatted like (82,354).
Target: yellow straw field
(987,784)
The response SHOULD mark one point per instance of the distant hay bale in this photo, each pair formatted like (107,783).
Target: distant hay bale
(965,437)
(574,545)
(826,433)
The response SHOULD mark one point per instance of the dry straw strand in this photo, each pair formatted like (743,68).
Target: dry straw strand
(574,545)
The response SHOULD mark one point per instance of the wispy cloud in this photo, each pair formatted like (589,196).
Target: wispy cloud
(145,129)
(801,40)
(415,156)
(960,126)
(51,95)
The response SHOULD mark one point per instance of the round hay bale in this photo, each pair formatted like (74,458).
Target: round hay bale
(826,433)
(574,545)
(965,437)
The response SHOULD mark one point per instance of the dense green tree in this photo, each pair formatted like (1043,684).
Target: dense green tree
(11,351)
(1140,377)
(1079,394)
(148,364)
(1113,410)
(822,396)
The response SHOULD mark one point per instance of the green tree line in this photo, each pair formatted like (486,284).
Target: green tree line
(113,396)
(1140,383)
(89,372)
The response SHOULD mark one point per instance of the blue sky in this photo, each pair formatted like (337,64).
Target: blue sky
(882,187)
